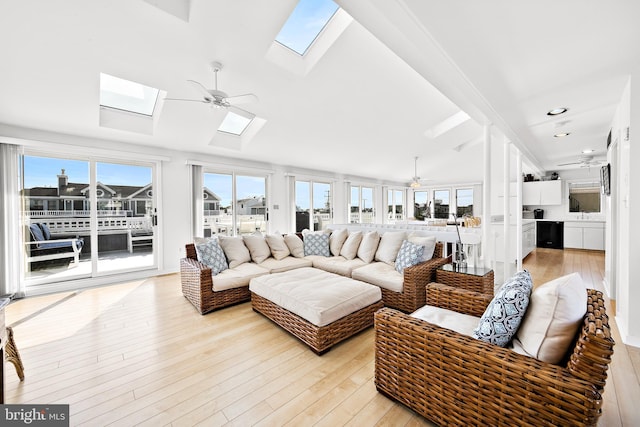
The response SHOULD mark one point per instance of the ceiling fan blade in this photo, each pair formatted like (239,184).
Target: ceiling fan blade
(200,88)
(572,163)
(242,99)
(191,100)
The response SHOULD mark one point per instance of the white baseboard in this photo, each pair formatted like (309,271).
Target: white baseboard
(627,339)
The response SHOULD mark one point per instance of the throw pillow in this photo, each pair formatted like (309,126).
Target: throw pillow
(295,245)
(429,243)
(316,244)
(235,250)
(258,247)
(553,318)
(279,248)
(336,240)
(408,255)
(390,244)
(350,247)
(210,254)
(503,315)
(368,246)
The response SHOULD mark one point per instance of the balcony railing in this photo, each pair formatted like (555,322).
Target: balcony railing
(76,213)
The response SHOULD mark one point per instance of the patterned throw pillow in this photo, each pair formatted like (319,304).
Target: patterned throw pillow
(408,255)
(316,244)
(210,254)
(503,315)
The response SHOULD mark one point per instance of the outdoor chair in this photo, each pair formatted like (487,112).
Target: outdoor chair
(43,247)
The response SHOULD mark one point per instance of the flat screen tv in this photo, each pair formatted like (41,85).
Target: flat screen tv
(605,178)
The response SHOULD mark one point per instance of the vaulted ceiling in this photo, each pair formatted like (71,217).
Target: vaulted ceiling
(391,86)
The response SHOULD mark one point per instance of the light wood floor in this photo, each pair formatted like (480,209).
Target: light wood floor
(139,354)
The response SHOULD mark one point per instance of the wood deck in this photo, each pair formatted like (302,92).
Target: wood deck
(139,354)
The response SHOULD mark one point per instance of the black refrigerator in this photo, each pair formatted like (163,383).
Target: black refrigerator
(550,234)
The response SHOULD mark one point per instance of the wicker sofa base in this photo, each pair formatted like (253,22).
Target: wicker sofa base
(319,338)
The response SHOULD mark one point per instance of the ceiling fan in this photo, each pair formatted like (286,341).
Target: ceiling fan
(217,98)
(584,162)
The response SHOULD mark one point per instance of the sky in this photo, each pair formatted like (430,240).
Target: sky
(305,23)
(44,171)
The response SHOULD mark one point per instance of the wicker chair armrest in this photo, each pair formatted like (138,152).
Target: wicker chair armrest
(457,299)
(420,274)
(451,378)
(196,281)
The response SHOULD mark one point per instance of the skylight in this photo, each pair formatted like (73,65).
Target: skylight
(305,23)
(234,123)
(126,95)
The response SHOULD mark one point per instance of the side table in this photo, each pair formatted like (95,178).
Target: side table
(476,279)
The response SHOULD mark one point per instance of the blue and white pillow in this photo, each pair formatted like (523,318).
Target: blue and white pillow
(211,254)
(502,318)
(408,255)
(316,244)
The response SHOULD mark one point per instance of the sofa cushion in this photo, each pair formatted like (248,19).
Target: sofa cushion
(380,274)
(211,254)
(315,295)
(235,250)
(258,247)
(295,245)
(503,315)
(389,245)
(408,255)
(368,246)
(555,313)
(316,244)
(336,240)
(285,264)
(429,243)
(350,247)
(279,248)
(238,276)
(337,264)
(462,323)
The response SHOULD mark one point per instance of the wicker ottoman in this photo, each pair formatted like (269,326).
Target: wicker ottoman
(319,308)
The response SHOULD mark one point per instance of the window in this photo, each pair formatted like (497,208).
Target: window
(362,209)
(126,95)
(305,23)
(234,123)
(464,202)
(421,205)
(313,205)
(395,205)
(441,204)
(234,204)
(585,197)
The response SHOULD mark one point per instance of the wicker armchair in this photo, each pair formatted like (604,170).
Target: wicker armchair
(416,277)
(197,285)
(453,379)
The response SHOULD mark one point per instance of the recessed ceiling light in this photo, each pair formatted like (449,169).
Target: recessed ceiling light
(560,135)
(557,111)
(587,151)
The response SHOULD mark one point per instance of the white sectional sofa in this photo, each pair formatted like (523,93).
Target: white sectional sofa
(367,255)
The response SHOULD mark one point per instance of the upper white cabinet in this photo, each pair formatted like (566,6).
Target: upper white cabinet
(542,193)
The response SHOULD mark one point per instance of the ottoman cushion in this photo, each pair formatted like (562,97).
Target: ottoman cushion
(315,295)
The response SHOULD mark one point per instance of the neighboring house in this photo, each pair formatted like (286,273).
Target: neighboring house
(74,198)
(211,202)
(251,206)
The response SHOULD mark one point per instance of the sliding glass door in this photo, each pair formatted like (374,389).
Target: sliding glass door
(82,218)
(313,205)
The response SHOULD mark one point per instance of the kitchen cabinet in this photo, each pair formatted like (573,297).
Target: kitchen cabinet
(538,193)
(584,235)
(528,239)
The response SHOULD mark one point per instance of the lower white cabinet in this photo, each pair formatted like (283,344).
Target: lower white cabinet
(584,235)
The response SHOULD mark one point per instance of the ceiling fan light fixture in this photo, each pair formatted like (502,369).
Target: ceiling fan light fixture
(561,134)
(587,151)
(556,111)
(414,184)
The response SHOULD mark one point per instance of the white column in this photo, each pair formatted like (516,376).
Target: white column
(486,196)
(518,212)
(506,208)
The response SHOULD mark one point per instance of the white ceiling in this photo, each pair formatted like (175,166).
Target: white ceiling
(366,108)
